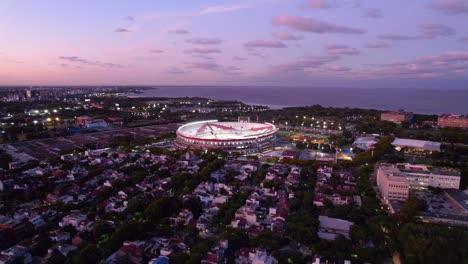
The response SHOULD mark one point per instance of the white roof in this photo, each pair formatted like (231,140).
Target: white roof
(414,143)
(334,223)
(212,129)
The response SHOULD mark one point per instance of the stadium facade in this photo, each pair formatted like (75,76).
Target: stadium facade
(242,137)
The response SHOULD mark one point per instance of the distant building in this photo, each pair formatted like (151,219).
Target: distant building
(330,227)
(395,180)
(452,120)
(116,121)
(365,143)
(243,119)
(81,120)
(391,183)
(396,117)
(95,123)
(417,145)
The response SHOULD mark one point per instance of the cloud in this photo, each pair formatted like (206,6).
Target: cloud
(223,9)
(202,56)
(129,18)
(429,31)
(432,30)
(237,58)
(215,9)
(449,63)
(258,54)
(320,4)
(175,70)
(306,24)
(79,60)
(378,45)
(304,63)
(463,39)
(213,66)
(265,44)
(341,50)
(123,30)
(286,36)
(203,50)
(398,37)
(338,68)
(205,41)
(179,31)
(453,7)
(373,13)
(157,51)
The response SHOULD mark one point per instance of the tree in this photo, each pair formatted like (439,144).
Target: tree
(194,205)
(410,208)
(162,207)
(236,237)
(423,243)
(89,254)
(101,227)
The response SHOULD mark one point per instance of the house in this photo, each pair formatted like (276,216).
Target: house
(330,227)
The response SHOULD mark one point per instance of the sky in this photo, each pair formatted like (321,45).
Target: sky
(373,43)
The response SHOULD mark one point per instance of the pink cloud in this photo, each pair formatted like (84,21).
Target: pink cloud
(373,13)
(213,66)
(205,41)
(286,36)
(306,24)
(82,61)
(320,4)
(339,68)
(237,58)
(123,30)
(341,50)
(304,63)
(179,31)
(378,45)
(175,70)
(398,37)
(449,63)
(265,44)
(203,50)
(432,30)
(452,6)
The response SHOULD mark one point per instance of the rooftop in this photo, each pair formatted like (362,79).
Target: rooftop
(212,129)
(414,143)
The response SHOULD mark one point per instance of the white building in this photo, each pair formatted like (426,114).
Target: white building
(330,227)
(365,143)
(419,145)
(419,176)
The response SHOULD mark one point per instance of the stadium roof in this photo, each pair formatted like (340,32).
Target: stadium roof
(418,144)
(214,130)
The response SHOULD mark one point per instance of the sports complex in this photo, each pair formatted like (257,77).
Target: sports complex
(243,137)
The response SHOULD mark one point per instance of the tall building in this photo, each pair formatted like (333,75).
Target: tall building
(396,117)
(451,120)
(395,180)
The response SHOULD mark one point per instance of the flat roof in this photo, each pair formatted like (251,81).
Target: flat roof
(212,130)
(461,197)
(414,143)
(334,223)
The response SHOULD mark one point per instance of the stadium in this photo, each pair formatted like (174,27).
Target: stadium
(243,137)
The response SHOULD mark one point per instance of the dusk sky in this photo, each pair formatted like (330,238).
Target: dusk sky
(377,43)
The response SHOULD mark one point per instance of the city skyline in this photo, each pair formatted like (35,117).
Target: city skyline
(261,42)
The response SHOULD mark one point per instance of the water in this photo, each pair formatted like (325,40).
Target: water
(424,101)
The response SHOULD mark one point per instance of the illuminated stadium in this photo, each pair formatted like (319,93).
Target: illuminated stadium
(243,137)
